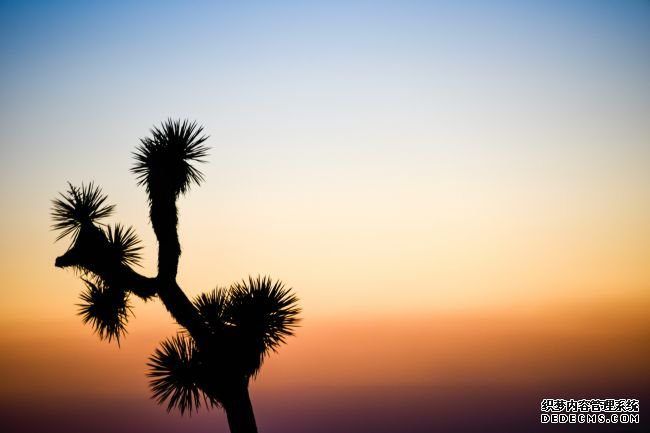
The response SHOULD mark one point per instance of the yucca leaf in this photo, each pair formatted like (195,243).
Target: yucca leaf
(175,373)
(163,161)
(105,308)
(79,206)
(211,306)
(124,244)
(264,312)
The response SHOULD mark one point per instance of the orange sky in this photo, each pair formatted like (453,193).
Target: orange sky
(593,347)
(552,343)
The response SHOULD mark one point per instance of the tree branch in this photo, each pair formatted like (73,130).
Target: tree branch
(164,219)
(124,276)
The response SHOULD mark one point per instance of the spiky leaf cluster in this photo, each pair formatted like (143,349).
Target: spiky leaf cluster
(175,372)
(248,320)
(212,306)
(258,314)
(79,206)
(124,244)
(264,309)
(95,247)
(164,160)
(107,309)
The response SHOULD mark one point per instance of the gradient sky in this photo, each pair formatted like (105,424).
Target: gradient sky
(434,173)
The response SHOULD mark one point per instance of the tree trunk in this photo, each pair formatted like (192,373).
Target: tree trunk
(239,411)
(164,219)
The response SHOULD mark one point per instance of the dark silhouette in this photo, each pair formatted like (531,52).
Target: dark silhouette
(226,333)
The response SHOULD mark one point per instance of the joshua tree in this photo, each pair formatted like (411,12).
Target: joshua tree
(225,334)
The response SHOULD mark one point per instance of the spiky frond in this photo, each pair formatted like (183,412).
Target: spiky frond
(248,320)
(264,312)
(175,372)
(163,161)
(124,244)
(211,306)
(79,206)
(106,309)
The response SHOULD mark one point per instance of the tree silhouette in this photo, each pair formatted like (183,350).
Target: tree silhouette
(225,334)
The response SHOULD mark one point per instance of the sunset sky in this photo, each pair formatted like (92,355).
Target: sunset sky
(458,192)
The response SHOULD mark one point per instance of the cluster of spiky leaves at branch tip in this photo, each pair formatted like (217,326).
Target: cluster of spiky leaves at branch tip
(124,245)
(175,375)
(248,320)
(106,309)
(80,206)
(163,161)
(96,251)
(79,212)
